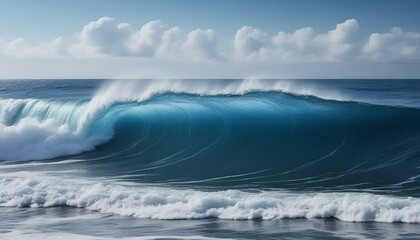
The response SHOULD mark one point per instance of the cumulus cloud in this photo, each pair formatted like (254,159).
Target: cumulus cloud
(152,40)
(301,45)
(201,44)
(394,46)
(107,38)
(103,36)
(250,43)
(147,40)
(170,43)
(21,49)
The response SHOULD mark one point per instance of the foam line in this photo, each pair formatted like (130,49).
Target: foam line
(165,203)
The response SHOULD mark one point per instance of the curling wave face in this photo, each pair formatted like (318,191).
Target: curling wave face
(65,127)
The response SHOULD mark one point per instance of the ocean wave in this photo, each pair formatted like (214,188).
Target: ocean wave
(35,129)
(40,129)
(167,203)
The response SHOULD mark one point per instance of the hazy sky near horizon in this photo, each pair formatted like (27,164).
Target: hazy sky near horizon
(209,39)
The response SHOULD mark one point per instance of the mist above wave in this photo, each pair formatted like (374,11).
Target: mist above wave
(142,90)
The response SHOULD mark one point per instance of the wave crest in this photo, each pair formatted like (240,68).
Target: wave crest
(142,90)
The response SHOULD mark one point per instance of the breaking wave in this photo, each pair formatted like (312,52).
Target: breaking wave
(165,203)
(175,150)
(32,129)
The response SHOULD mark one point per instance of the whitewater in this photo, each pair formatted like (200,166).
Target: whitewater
(319,153)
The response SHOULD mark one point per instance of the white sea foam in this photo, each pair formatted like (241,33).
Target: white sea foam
(29,190)
(37,129)
(54,235)
(10,107)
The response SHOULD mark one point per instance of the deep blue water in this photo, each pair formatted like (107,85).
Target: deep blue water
(289,158)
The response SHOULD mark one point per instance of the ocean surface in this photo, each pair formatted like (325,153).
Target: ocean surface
(210,159)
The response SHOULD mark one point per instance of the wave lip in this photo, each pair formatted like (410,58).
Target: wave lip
(165,203)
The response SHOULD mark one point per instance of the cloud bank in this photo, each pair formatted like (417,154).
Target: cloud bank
(106,48)
(107,38)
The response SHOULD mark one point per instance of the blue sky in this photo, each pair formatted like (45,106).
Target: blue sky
(41,19)
(219,45)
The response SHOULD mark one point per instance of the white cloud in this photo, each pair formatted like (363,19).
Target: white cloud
(394,46)
(51,49)
(250,43)
(145,41)
(340,39)
(106,38)
(302,45)
(103,36)
(21,49)
(17,47)
(171,42)
(201,44)
(152,40)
